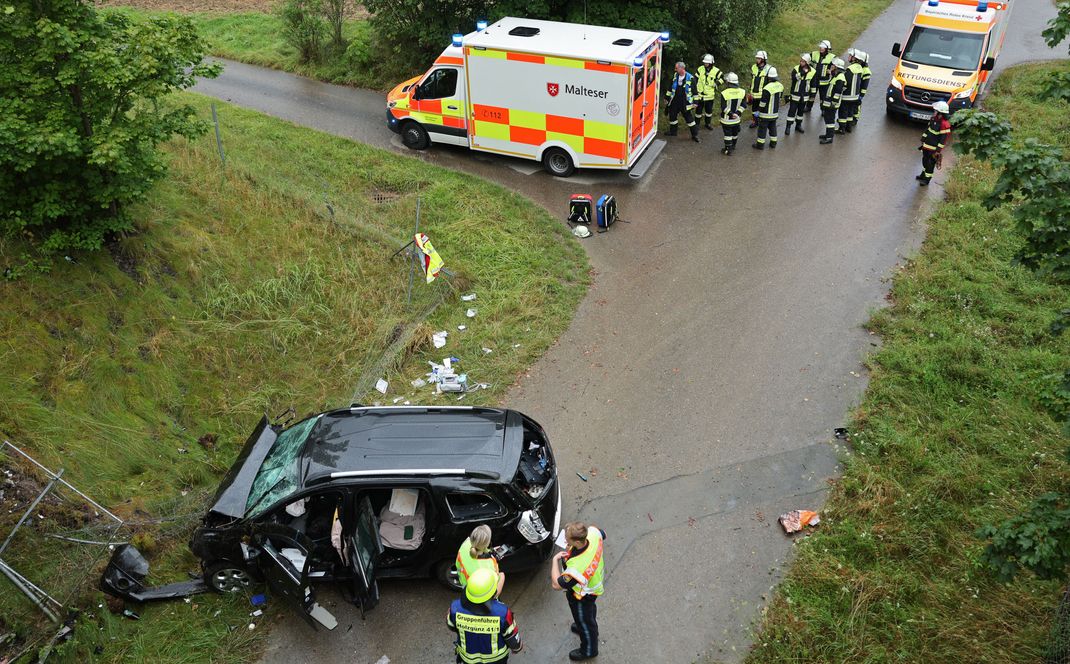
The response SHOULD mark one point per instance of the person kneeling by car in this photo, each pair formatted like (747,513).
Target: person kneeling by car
(486,630)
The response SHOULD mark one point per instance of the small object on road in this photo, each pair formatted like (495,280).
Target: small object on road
(439,338)
(840,433)
(487,351)
(471,313)
(256,613)
(468,298)
(252,626)
(581,232)
(798,519)
(650,517)
(581,476)
(381,385)
(127,613)
(462,328)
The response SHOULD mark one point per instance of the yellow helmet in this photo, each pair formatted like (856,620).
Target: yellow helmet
(481,585)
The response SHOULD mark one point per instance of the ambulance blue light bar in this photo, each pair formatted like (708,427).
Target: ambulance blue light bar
(933,3)
(664,36)
(982,6)
(458,39)
(481,26)
(638,63)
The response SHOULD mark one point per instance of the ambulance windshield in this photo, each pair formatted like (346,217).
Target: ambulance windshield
(944,48)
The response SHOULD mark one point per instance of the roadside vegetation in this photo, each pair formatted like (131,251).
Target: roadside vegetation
(142,369)
(959,429)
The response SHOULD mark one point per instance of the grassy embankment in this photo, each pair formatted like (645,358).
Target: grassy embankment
(952,434)
(237,296)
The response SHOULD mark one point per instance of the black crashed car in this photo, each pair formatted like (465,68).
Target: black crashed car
(360,494)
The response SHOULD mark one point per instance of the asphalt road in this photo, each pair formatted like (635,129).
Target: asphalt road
(700,379)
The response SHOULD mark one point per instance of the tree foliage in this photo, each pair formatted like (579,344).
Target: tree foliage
(304,27)
(418,29)
(83,112)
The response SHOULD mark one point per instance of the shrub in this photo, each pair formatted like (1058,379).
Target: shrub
(304,27)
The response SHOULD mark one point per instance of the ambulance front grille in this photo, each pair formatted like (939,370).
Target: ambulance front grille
(926,97)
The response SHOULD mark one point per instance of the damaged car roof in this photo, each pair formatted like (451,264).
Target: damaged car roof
(398,438)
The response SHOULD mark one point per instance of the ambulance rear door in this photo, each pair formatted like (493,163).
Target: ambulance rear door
(644,90)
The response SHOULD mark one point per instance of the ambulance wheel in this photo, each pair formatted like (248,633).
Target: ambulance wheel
(414,136)
(446,574)
(557,162)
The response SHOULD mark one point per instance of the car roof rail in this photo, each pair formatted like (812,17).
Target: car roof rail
(414,472)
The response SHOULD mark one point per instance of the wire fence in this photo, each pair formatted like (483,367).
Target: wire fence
(1058,651)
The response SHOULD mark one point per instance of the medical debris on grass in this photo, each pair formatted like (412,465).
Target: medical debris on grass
(797,520)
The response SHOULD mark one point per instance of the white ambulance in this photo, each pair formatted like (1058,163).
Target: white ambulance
(568,95)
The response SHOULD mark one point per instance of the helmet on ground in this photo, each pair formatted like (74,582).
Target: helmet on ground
(707,59)
(581,231)
(772,73)
(837,63)
(481,585)
(732,78)
(805,57)
(941,107)
(825,45)
(762,55)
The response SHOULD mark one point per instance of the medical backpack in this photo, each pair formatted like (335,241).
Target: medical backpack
(580,209)
(606,212)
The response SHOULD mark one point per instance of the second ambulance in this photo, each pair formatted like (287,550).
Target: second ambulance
(949,55)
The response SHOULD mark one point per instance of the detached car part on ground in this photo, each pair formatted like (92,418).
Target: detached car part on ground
(360,494)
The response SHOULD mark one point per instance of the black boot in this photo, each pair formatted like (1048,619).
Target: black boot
(825,140)
(787,130)
(758,146)
(798,128)
(726,150)
(577,655)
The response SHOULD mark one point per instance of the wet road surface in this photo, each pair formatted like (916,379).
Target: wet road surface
(700,379)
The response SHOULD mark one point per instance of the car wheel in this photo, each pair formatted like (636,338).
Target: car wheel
(557,162)
(414,136)
(226,577)
(447,575)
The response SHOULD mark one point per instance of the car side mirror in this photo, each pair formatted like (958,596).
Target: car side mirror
(897,50)
(989,64)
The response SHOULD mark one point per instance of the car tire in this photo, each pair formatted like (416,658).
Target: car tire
(447,575)
(414,137)
(226,577)
(558,163)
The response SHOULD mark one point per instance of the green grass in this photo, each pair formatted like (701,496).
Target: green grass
(257,38)
(951,434)
(237,296)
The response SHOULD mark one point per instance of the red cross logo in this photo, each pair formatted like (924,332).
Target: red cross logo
(552,89)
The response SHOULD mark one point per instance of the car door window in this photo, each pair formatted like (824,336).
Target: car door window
(465,506)
(439,84)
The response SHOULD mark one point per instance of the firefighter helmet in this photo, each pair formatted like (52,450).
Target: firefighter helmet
(481,585)
(732,78)
(707,59)
(941,107)
(761,55)
(805,57)
(825,45)
(772,75)
(837,63)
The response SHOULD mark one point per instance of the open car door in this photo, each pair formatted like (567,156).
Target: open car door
(363,547)
(284,562)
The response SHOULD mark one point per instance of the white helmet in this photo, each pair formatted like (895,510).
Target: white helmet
(581,231)
(941,107)
(825,45)
(732,78)
(805,57)
(837,63)
(862,57)
(851,52)
(772,74)
(762,55)
(707,59)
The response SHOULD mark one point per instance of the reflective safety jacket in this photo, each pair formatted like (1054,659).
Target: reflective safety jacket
(709,77)
(732,105)
(676,100)
(769,104)
(485,632)
(835,93)
(757,81)
(864,87)
(802,83)
(467,565)
(822,64)
(587,567)
(937,134)
(852,82)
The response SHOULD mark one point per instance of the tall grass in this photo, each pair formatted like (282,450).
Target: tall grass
(952,434)
(240,295)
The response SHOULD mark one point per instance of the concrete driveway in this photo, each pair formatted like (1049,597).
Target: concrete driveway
(698,384)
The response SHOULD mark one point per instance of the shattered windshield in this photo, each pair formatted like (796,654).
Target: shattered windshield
(943,48)
(278,475)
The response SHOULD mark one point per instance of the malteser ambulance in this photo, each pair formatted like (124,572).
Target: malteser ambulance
(949,54)
(570,96)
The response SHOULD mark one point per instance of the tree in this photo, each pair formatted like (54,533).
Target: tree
(83,94)
(1036,179)
(335,13)
(304,27)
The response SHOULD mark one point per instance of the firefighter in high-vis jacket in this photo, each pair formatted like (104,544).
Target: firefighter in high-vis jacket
(732,98)
(821,59)
(486,630)
(863,58)
(758,73)
(933,141)
(830,102)
(709,78)
(681,102)
(851,94)
(801,92)
(769,109)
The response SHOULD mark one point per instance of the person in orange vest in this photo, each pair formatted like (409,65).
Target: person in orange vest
(475,553)
(580,571)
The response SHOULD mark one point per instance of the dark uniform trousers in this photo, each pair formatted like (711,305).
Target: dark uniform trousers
(677,107)
(585,615)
